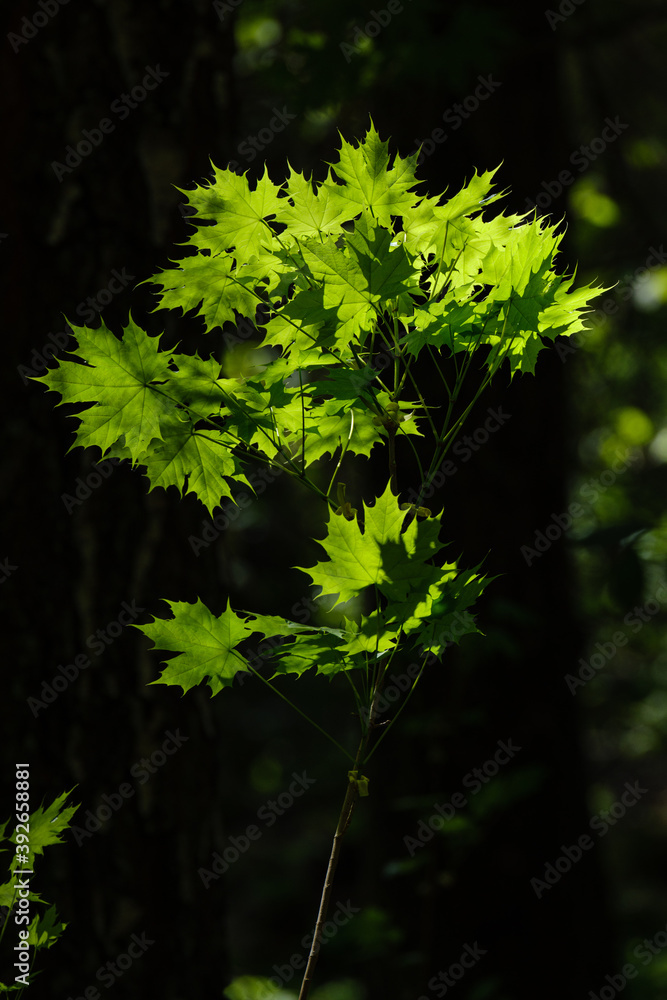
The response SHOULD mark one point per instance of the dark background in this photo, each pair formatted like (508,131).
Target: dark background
(557,78)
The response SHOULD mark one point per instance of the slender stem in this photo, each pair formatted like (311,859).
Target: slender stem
(422,401)
(448,432)
(344,819)
(343,450)
(392,721)
(297,709)
(297,473)
(391,432)
(407,437)
(343,823)
(303,425)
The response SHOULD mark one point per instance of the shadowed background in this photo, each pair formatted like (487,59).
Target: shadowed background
(477,84)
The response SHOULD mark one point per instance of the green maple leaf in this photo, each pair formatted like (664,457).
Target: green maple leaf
(304,325)
(529,250)
(379,556)
(448,323)
(241,214)
(309,210)
(369,181)
(359,277)
(345,288)
(206,645)
(330,427)
(441,615)
(321,648)
(212,283)
(566,313)
(426,603)
(8,892)
(372,636)
(344,384)
(45,930)
(194,461)
(46,827)
(387,271)
(122,378)
(197,383)
(451,232)
(527,302)
(514,302)
(350,280)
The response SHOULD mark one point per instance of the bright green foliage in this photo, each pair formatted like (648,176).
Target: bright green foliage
(356,278)
(208,645)
(45,827)
(380,556)
(121,379)
(256,988)
(421,601)
(350,281)
(261,988)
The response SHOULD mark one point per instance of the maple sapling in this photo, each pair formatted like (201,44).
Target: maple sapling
(349,281)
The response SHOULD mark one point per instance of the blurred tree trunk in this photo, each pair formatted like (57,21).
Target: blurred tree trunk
(113,217)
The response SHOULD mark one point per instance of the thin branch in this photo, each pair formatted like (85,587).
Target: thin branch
(344,819)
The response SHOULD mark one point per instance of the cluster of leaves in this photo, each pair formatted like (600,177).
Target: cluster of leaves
(45,827)
(351,280)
